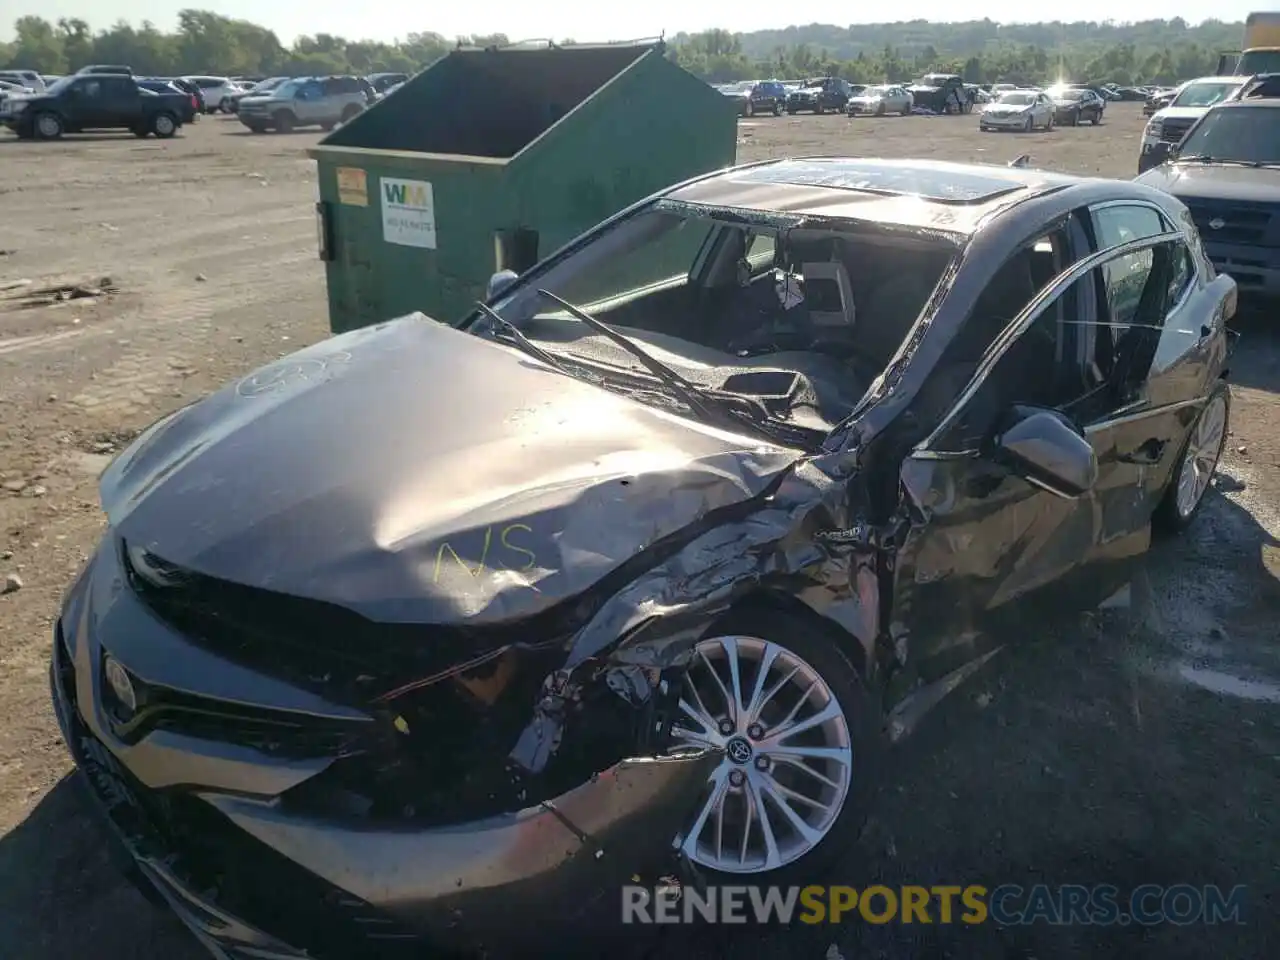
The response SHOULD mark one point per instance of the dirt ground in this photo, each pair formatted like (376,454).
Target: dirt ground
(1125,748)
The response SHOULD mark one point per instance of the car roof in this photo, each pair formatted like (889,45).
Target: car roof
(952,197)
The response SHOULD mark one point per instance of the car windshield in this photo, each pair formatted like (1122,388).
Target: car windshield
(874,91)
(289,88)
(1068,94)
(1236,134)
(1204,94)
(266,85)
(59,85)
(1018,99)
(1253,62)
(713,296)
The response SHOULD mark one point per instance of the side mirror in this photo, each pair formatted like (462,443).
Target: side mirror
(499,282)
(1158,154)
(1046,449)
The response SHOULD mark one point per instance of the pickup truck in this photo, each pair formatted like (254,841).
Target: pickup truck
(95,102)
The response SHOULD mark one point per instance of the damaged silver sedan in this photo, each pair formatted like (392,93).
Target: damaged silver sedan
(424,630)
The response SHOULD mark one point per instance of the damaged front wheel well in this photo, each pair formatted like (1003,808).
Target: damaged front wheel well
(744,617)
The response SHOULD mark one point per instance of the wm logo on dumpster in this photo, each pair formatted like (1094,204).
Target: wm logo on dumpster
(406,194)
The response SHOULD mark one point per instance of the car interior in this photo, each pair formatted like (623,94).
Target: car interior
(808,318)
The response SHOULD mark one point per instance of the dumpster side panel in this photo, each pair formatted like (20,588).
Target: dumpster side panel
(385,263)
(652,126)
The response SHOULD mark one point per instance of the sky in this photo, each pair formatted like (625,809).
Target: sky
(521,20)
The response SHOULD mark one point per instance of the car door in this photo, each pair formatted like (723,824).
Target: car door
(88,108)
(120,102)
(1169,339)
(989,550)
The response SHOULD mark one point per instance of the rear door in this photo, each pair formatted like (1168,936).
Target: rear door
(122,103)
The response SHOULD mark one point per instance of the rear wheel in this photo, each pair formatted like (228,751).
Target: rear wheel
(1096,119)
(350,112)
(798,734)
(1199,460)
(164,126)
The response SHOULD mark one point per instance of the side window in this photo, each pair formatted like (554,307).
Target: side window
(1181,275)
(1121,223)
(1040,368)
(91,88)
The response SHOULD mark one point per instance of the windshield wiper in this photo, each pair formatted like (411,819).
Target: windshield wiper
(725,408)
(520,340)
(1206,158)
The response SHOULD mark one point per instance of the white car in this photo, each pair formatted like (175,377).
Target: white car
(1192,101)
(1018,110)
(881,100)
(218,92)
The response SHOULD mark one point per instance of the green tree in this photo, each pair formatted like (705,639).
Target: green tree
(37,46)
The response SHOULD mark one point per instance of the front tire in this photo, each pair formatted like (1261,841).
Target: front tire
(777,109)
(283,122)
(1197,462)
(48,126)
(799,735)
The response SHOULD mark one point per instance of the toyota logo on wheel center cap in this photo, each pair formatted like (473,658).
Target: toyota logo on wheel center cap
(120,684)
(1217,223)
(738,750)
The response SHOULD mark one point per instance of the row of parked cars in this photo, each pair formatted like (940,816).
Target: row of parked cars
(933,93)
(106,96)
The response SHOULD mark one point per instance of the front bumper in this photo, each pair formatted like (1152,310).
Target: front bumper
(1005,121)
(202,828)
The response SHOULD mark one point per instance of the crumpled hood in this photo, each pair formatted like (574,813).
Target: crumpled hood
(1214,182)
(415,473)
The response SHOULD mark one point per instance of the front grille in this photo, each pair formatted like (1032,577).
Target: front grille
(1172,131)
(220,863)
(1241,223)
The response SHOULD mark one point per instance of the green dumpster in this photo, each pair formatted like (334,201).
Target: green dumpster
(493,158)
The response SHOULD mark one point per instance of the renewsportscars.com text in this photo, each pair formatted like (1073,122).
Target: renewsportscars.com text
(1006,905)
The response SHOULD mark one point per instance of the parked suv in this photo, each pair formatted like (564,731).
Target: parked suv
(217,91)
(820,95)
(306,102)
(1226,169)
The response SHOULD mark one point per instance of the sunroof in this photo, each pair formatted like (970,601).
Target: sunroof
(942,185)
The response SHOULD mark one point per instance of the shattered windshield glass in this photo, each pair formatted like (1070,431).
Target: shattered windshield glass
(800,319)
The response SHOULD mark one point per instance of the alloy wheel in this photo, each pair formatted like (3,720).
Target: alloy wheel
(1204,449)
(787,759)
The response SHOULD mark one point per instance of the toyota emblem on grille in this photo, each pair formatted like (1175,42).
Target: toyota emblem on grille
(120,684)
(1217,223)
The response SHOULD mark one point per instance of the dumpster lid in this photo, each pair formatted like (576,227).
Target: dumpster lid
(487,104)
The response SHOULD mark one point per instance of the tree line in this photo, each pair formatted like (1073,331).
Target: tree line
(1153,51)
